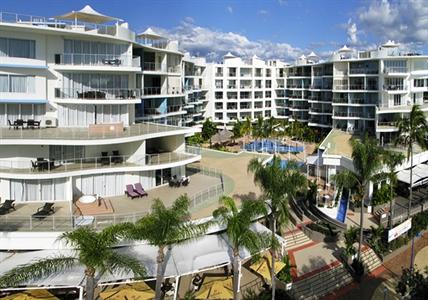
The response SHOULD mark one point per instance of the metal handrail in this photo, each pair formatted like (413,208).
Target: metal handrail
(96,59)
(97,93)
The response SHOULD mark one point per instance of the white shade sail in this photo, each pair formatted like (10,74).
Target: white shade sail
(420,175)
(150,34)
(344,49)
(193,256)
(87,14)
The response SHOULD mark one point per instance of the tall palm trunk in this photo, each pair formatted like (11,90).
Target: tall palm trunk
(236,273)
(361,227)
(90,283)
(411,183)
(272,271)
(391,206)
(159,272)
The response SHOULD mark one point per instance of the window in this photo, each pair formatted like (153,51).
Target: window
(397,100)
(17,48)
(419,83)
(17,84)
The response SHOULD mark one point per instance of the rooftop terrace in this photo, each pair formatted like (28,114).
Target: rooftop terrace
(337,143)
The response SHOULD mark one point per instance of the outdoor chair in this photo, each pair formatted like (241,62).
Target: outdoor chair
(44,211)
(105,160)
(14,125)
(116,157)
(185,181)
(7,206)
(19,123)
(31,123)
(130,191)
(140,190)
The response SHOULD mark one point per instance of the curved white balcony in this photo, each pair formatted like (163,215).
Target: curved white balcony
(31,169)
(97,96)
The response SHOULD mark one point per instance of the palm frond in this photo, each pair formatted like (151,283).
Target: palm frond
(125,264)
(36,270)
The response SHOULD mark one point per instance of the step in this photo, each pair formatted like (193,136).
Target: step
(296,239)
(370,260)
(322,283)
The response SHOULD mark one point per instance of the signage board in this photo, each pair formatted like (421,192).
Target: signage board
(399,230)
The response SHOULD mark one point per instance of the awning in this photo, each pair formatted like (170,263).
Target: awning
(150,34)
(87,14)
(24,101)
(420,175)
(312,160)
(190,257)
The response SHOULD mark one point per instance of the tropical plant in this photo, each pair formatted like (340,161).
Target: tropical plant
(279,185)
(392,160)
(414,284)
(350,236)
(366,156)
(92,249)
(237,223)
(237,130)
(208,130)
(164,227)
(383,195)
(247,127)
(285,274)
(195,139)
(257,128)
(412,130)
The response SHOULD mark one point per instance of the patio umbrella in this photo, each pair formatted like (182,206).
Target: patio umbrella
(32,295)
(150,34)
(222,136)
(140,291)
(87,14)
(216,288)
(263,266)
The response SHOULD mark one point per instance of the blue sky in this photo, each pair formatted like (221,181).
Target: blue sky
(268,28)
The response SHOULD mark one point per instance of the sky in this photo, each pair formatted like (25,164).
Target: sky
(270,29)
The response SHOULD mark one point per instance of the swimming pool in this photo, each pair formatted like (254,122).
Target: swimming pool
(272,146)
(284,163)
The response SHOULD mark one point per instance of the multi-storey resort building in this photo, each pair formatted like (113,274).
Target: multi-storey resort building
(70,95)
(245,89)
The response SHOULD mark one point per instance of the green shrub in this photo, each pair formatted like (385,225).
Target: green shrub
(324,228)
(195,139)
(285,274)
(382,195)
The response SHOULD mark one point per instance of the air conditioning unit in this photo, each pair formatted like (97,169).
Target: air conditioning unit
(48,122)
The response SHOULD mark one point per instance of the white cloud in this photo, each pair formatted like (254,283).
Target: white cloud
(405,21)
(189,20)
(263,12)
(282,2)
(229,9)
(352,32)
(213,43)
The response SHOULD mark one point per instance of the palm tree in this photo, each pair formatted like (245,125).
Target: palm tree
(366,156)
(237,223)
(247,127)
(93,249)
(392,160)
(258,128)
(164,227)
(412,130)
(279,185)
(237,130)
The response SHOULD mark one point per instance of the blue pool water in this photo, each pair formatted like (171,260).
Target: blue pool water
(271,146)
(343,205)
(284,163)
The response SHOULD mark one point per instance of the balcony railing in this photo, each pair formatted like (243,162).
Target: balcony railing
(219,74)
(97,94)
(87,59)
(340,87)
(395,70)
(88,163)
(158,111)
(363,71)
(393,87)
(152,66)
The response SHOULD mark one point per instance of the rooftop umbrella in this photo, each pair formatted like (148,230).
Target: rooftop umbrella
(263,266)
(140,291)
(32,295)
(87,14)
(344,49)
(216,288)
(150,34)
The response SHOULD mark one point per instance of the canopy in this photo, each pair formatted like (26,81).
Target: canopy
(229,55)
(221,137)
(420,175)
(264,265)
(32,295)
(302,57)
(312,160)
(390,44)
(344,49)
(87,14)
(196,255)
(150,34)
(139,290)
(312,56)
(216,288)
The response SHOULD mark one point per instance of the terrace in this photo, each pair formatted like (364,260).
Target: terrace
(206,186)
(109,131)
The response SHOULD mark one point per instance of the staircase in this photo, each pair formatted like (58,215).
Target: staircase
(321,284)
(370,260)
(295,238)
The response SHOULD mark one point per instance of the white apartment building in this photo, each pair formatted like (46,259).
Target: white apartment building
(86,84)
(245,89)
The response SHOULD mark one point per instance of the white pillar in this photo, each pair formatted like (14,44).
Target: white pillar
(177,281)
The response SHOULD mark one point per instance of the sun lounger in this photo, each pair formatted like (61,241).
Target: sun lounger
(139,189)
(7,206)
(130,191)
(44,211)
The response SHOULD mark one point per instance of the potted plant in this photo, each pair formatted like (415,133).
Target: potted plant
(285,274)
